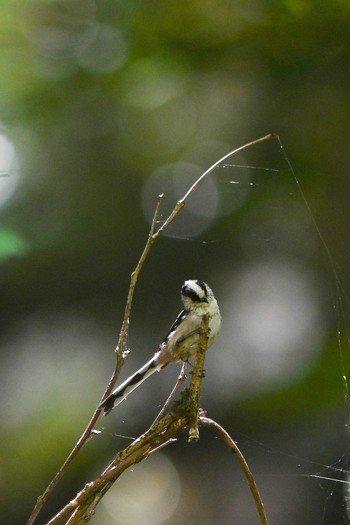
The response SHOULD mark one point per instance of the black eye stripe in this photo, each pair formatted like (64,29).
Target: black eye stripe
(191,293)
(188,292)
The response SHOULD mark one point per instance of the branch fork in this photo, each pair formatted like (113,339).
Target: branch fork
(167,426)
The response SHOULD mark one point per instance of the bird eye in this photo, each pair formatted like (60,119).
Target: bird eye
(187,291)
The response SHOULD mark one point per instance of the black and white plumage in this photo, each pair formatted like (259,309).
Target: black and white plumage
(180,342)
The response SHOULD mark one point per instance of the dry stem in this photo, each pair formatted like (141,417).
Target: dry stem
(244,465)
(120,348)
(164,430)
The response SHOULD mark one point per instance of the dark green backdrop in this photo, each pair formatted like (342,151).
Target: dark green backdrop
(96,100)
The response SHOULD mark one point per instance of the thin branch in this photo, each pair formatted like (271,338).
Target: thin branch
(181,203)
(196,383)
(244,465)
(163,431)
(195,186)
(165,407)
(120,361)
(120,348)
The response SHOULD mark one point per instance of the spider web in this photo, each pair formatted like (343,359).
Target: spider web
(277,378)
(326,484)
(285,313)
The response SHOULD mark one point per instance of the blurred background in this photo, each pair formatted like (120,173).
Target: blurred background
(103,105)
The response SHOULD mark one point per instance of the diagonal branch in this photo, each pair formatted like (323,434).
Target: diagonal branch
(120,348)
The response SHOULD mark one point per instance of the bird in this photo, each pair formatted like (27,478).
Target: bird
(181,341)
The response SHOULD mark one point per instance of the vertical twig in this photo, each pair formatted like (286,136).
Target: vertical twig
(152,237)
(196,383)
(120,361)
(165,407)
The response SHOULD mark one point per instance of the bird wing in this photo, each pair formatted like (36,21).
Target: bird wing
(180,318)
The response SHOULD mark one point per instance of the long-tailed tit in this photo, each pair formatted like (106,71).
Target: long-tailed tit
(181,341)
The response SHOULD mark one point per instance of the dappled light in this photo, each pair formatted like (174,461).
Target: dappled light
(155,505)
(104,106)
(9,169)
(275,315)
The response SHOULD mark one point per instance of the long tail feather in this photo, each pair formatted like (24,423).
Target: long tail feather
(122,391)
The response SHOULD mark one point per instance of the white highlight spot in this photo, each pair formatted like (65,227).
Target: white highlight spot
(9,169)
(148,494)
(272,327)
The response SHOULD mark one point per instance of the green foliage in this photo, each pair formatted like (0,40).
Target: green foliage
(11,244)
(96,98)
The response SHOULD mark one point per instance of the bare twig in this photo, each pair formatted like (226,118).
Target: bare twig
(181,203)
(165,431)
(162,432)
(120,348)
(165,407)
(196,383)
(244,465)
(120,361)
